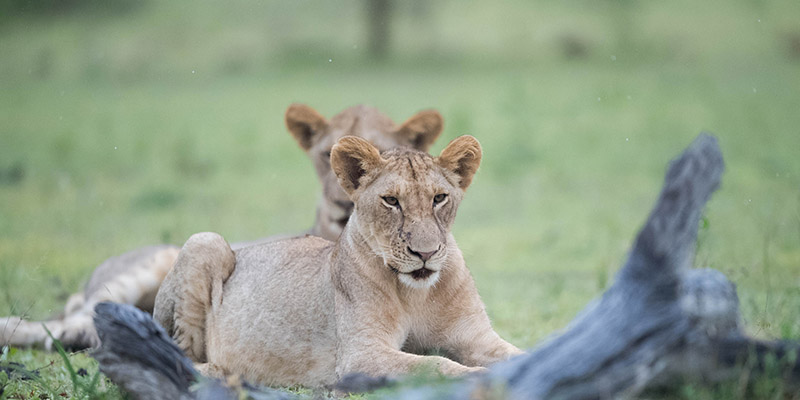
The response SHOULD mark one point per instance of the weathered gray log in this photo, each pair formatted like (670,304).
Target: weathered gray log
(659,322)
(658,318)
(138,355)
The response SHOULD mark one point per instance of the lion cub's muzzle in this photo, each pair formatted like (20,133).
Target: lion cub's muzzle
(421,267)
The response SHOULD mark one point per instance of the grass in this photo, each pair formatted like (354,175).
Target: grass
(122,129)
(53,376)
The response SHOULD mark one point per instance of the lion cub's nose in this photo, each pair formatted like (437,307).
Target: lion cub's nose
(423,255)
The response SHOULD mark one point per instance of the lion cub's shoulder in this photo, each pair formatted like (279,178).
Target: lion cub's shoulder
(296,250)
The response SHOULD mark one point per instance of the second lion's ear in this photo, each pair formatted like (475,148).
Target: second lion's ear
(305,124)
(353,159)
(422,129)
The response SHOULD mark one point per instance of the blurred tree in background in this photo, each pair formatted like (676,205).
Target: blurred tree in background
(60,7)
(379,19)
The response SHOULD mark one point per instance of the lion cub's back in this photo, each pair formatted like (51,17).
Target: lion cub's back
(281,294)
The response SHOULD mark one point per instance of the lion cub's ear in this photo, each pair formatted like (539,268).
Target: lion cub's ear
(305,124)
(353,158)
(422,129)
(462,156)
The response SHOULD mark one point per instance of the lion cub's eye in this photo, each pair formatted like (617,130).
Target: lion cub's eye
(439,198)
(392,201)
(326,155)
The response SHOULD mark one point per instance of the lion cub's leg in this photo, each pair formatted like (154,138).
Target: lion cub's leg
(472,341)
(211,371)
(192,289)
(380,360)
(75,331)
(74,303)
(16,332)
(132,278)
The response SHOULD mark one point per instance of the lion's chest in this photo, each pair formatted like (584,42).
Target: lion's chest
(422,335)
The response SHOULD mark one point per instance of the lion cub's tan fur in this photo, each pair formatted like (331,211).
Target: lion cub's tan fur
(134,277)
(308,311)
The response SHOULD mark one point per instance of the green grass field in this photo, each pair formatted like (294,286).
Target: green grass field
(122,128)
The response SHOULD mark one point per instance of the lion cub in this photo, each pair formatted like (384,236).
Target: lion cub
(307,311)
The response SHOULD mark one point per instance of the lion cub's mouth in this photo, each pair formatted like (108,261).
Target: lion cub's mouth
(418,274)
(422,273)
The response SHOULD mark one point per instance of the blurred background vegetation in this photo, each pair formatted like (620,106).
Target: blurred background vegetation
(128,122)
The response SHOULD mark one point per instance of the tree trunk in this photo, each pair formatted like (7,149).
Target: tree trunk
(379,18)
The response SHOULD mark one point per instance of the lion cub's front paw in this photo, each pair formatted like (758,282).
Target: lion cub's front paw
(477,370)
(461,370)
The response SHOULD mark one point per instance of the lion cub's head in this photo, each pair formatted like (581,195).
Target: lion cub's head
(316,135)
(406,201)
